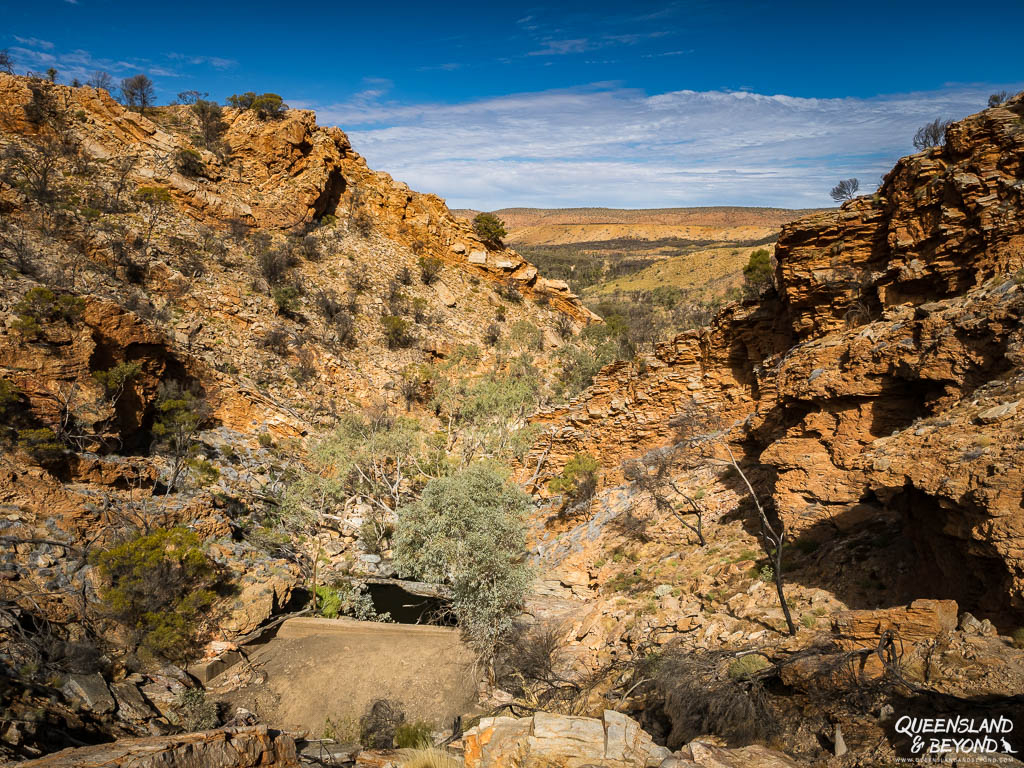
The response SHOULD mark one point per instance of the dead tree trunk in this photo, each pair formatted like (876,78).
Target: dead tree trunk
(772,538)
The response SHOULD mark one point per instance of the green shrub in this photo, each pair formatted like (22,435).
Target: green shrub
(1018,637)
(419,310)
(491,334)
(194,712)
(347,598)
(242,100)
(745,666)
(203,471)
(584,356)
(286,297)
(578,479)
(40,306)
(489,228)
(266,105)
(624,582)
(757,273)
(397,332)
(189,162)
(468,529)
(179,416)
(488,411)
(418,735)
(159,586)
(41,444)
(430,269)
(269,106)
(114,380)
(997,98)
(153,195)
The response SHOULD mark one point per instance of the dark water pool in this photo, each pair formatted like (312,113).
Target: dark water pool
(407,608)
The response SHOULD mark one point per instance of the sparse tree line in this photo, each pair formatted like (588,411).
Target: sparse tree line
(139,92)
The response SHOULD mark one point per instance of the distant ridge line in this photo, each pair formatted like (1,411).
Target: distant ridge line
(719,216)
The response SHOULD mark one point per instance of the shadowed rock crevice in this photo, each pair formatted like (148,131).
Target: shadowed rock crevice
(330,198)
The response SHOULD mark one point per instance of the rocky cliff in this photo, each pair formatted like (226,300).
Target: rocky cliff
(173,287)
(872,398)
(257,272)
(880,378)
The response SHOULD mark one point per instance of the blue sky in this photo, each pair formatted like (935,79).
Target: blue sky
(642,104)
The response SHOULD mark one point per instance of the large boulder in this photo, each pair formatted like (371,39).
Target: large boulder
(697,753)
(545,739)
(223,748)
(91,692)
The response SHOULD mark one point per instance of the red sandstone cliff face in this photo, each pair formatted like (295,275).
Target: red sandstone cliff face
(881,377)
(178,292)
(282,174)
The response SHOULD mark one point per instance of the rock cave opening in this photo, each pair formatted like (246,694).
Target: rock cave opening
(410,607)
(330,197)
(975,575)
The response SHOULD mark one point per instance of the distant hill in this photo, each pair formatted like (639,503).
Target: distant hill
(556,226)
(713,216)
(679,259)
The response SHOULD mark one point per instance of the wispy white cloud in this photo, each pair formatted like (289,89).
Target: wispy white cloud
(562,47)
(634,38)
(667,53)
(450,66)
(217,62)
(78,64)
(607,145)
(35,42)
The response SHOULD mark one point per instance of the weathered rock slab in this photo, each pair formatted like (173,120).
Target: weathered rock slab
(251,747)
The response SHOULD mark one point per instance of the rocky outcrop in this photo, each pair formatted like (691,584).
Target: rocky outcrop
(169,290)
(284,173)
(925,643)
(614,741)
(252,747)
(943,221)
(883,373)
(633,406)
(175,290)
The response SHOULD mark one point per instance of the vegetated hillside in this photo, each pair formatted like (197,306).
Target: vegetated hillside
(662,270)
(222,339)
(871,397)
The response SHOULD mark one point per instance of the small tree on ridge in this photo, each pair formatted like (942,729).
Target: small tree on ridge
(137,92)
(931,134)
(489,228)
(845,190)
